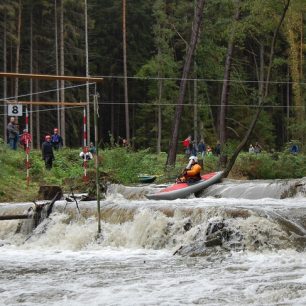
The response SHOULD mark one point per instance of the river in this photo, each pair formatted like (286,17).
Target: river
(240,243)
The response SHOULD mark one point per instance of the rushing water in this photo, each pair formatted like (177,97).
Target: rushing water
(228,250)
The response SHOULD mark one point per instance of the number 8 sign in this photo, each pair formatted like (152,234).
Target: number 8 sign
(14,110)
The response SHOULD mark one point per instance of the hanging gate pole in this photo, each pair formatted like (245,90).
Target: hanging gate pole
(85,148)
(97,159)
(27,148)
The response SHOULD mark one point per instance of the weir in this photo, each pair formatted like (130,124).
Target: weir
(193,226)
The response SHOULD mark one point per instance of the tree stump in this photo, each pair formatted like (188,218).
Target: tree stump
(48,192)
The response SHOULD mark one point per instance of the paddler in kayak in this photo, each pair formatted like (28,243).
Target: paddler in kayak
(192,172)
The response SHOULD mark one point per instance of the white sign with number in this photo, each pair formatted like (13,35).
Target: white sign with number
(14,110)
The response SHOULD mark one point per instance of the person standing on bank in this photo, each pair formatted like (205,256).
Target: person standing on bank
(13,133)
(47,152)
(56,140)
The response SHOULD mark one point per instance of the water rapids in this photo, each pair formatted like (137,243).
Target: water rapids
(239,242)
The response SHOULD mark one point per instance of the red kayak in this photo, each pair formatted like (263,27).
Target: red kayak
(182,190)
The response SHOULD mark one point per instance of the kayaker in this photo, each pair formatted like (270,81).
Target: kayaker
(192,172)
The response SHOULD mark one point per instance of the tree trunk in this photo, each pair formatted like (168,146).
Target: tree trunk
(87,74)
(18,49)
(186,69)
(56,65)
(262,97)
(226,80)
(195,104)
(62,70)
(5,79)
(126,100)
(159,114)
(31,71)
(37,117)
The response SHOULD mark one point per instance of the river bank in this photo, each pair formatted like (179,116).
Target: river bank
(123,166)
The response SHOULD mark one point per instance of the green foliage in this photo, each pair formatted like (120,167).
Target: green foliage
(123,166)
(277,165)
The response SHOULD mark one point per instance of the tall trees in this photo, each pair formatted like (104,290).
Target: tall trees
(18,28)
(264,89)
(62,72)
(186,69)
(126,98)
(294,35)
(226,78)
(159,63)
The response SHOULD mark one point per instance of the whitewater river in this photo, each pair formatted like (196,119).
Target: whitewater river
(244,250)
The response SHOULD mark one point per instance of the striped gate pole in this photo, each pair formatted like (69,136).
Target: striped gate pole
(27,148)
(85,148)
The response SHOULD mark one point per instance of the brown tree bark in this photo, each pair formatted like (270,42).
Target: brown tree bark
(198,18)
(126,99)
(18,48)
(31,71)
(5,79)
(62,72)
(226,80)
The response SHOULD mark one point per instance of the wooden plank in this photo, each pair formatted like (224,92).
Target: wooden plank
(14,217)
(47,103)
(50,77)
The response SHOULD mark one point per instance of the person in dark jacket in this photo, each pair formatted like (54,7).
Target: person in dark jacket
(13,133)
(56,140)
(47,152)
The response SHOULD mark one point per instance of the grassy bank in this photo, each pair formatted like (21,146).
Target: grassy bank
(122,166)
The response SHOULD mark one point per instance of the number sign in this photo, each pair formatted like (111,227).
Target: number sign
(15,110)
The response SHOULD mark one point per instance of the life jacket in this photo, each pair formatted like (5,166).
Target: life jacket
(194,173)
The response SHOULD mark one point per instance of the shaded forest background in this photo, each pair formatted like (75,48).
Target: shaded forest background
(48,37)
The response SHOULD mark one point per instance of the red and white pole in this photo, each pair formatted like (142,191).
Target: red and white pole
(85,148)
(27,148)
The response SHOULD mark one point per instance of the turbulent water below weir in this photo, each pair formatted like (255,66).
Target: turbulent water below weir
(217,249)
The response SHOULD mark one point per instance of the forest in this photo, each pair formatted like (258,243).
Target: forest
(214,69)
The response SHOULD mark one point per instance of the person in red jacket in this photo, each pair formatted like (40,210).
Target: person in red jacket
(25,139)
(192,172)
(186,145)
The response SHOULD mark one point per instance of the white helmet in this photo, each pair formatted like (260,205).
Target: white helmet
(194,158)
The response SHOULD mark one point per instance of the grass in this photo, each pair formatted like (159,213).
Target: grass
(123,166)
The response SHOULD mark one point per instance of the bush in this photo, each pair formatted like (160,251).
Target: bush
(281,165)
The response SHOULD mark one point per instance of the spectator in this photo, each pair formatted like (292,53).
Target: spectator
(294,149)
(209,151)
(251,149)
(202,148)
(186,145)
(92,148)
(257,148)
(218,149)
(56,140)
(111,139)
(86,155)
(13,133)
(125,143)
(47,152)
(25,139)
(194,148)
